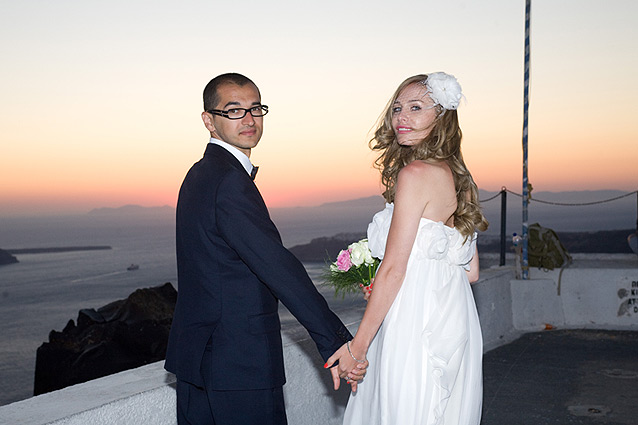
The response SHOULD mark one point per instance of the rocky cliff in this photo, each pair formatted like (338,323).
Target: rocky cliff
(121,335)
(325,249)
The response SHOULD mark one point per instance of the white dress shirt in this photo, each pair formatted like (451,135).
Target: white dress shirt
(241,157)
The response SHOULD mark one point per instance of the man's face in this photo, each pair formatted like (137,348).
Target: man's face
(243,133)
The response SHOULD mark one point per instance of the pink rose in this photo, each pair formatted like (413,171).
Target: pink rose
(343,260)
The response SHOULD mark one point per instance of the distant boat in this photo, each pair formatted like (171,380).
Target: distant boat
(133,267)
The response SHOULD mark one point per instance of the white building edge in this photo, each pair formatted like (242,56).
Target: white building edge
(598,291)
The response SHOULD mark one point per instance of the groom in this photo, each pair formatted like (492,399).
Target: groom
(225,343)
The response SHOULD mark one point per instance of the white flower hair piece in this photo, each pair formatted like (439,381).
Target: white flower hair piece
(444,90)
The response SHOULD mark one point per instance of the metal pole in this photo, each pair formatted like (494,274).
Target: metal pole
(525,265)
(503,222)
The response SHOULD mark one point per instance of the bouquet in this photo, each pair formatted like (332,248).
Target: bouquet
(355,267)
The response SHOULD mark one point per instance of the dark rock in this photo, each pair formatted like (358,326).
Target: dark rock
(7,258)
(122,335)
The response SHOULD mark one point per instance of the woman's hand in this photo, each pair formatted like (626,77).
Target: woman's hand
(367,290)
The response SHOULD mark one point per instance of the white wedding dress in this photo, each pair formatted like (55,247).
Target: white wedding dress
(426,359)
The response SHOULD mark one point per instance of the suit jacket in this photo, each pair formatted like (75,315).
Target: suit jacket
(232,271)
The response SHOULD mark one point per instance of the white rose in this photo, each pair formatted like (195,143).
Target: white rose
(433,241)
(358,252)
(367,259)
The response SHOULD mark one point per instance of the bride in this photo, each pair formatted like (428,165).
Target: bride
(420,331)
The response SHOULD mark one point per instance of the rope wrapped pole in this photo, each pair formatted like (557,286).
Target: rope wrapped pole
(503,225)
(525,264)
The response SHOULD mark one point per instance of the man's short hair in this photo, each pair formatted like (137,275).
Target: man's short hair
(211,97)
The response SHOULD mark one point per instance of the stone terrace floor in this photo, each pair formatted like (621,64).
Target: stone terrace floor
(563,377)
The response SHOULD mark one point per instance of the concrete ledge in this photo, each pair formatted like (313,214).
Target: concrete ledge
(146,395)
(309,393)
(136,396)
(536,303)
(494,304)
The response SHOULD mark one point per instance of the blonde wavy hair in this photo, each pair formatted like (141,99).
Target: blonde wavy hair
(443,143)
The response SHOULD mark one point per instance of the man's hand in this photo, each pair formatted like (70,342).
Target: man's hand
(355,375)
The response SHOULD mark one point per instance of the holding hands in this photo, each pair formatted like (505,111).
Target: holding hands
(350,367)
(352,362)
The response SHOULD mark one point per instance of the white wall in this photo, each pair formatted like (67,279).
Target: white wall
(589,298)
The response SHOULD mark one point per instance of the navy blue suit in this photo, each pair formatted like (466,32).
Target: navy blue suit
(232,272)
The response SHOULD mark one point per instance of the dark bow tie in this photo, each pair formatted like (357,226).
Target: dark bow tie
(253,173)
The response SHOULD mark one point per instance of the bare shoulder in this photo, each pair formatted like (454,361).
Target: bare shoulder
(429,186)
(418,170)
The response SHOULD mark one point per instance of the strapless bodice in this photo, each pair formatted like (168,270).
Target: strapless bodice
(434,240)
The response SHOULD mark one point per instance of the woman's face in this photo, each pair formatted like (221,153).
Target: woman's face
(413,115)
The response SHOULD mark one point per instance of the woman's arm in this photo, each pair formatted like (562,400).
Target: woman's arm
(473,273)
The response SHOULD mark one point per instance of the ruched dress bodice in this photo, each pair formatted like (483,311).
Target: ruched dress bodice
(434,240)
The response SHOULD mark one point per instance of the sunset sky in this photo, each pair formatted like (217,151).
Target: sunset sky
(100,102)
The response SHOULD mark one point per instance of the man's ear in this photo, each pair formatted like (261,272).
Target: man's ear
(208,121)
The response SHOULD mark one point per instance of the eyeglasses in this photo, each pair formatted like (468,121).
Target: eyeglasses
(239,113)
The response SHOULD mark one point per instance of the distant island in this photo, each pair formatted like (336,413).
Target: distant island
(326,248)
(53,249)
(601,242)
(607,241)
(7,258)
(133,210)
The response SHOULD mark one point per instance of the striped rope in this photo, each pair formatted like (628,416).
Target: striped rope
(489,199)
(564,204)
